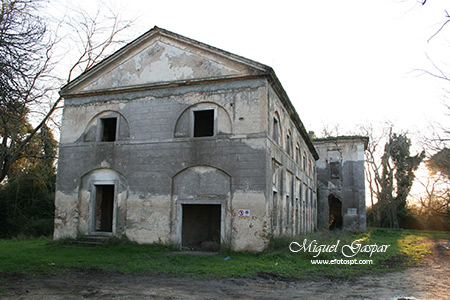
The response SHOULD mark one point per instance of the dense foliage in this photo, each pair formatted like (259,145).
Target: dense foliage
(27,197)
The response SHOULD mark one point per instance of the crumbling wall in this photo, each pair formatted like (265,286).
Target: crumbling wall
(148,154)
(292,189)
(340,172)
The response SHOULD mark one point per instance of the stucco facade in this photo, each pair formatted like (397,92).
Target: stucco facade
(341,182)
(170,139)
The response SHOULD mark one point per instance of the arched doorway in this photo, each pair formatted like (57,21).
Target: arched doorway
(201,194)
(335,212)
(103,195)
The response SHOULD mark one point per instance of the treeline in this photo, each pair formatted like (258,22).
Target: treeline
(27,195)
(416,218)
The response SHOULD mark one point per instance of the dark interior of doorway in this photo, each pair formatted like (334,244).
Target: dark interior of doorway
(201,226)
(335,212)
(104,206)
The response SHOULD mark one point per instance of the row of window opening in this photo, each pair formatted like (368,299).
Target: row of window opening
(203,125)
(303,162)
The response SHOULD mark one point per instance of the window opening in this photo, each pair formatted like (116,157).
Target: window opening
(204,123)
(288,215)
(276,130)
(288,144)
(274,212)
(297,216)
(334,170)
(109,126)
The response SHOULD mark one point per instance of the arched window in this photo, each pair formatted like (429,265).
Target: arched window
(304,161)
(107,126)
(276,129)
(204,119)
(297,154)
(289,143)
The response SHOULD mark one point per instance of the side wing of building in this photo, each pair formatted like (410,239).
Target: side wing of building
(341,183)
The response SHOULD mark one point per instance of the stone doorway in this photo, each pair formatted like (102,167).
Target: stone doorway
(104,208)
(201,226)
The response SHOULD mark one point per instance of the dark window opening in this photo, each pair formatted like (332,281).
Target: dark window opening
(334,170)
(109,126)
(297,216)
(104,207)
(204,123)
(288,215)
(201,226)
(288,144)
(335,212)
(276,130)
(274,212)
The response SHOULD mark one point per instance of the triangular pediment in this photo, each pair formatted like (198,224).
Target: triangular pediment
(160,57)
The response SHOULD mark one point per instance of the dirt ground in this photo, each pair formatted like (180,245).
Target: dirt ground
(430,279)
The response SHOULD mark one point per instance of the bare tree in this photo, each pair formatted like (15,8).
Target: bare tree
(389,173)
(27,52)
(373,153)
(432,202)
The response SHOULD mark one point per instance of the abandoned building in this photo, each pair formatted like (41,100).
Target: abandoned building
(341,182)
(169,139)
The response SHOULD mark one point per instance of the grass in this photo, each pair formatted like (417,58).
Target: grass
(37,257)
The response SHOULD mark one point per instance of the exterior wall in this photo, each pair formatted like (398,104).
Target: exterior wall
(155,151)
(152,90)
(293,199)
(340,172)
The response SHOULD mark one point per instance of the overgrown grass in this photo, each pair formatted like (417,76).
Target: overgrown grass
(43,256)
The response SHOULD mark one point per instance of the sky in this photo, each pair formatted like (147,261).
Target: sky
(342,63)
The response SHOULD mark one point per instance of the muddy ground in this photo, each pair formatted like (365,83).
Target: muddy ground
(430,279)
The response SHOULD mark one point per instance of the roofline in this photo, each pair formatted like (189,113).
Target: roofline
(278,87)
(141,39)
(364,139)
(162,85)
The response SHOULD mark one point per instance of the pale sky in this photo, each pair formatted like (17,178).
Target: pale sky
(346,62)
(341,62)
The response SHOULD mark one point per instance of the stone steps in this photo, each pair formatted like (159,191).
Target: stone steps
(91,239)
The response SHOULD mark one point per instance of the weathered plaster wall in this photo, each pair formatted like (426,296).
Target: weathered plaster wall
(348,183)
(292,188)
(149,153)
(153,87)
(162,60)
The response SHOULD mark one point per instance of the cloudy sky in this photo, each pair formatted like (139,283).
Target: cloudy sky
(341,62)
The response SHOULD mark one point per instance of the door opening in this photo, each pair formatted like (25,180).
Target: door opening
(104,208)
(201,226)
(335,212)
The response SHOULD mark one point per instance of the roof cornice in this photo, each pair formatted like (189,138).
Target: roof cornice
(162,85)
(344,138)
(276,84)
(65,90)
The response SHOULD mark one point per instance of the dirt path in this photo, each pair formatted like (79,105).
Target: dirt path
(428,280)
